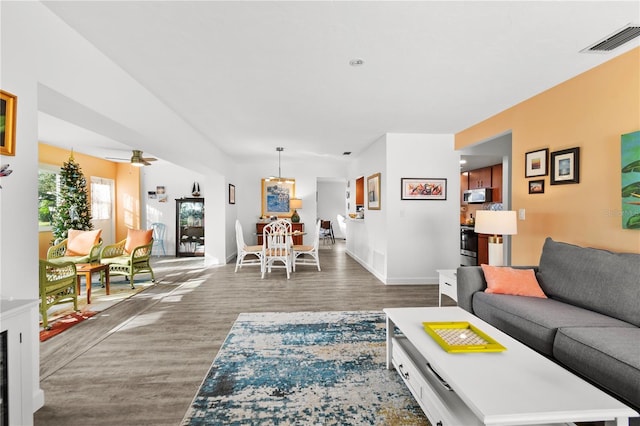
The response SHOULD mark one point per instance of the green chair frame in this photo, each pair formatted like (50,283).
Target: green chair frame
(128,264)
(58,284)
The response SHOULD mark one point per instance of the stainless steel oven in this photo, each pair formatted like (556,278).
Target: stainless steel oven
(468,246)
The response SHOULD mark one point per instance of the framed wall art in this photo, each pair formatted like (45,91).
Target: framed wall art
(565,166)
(8,113)
(536,163)
(423,189)
(630,175)
(232,194)
(276,194)
(373,192)
(536,186)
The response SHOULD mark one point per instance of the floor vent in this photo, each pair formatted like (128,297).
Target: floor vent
(614,40)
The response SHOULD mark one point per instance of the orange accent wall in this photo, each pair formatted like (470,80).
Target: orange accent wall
(589,111)
(93,166)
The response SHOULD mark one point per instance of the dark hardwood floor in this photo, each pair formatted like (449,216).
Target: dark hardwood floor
(141,362)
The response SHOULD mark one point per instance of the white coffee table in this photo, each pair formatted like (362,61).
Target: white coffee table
(514,387)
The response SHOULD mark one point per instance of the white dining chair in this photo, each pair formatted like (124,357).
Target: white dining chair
(247,255)
(308,250)
(276,246)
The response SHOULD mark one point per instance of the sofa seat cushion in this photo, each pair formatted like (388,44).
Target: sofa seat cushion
(74,259)
(117,260)
(534,321)
(608,356)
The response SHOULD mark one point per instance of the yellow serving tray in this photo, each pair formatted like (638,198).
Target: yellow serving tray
(459,337)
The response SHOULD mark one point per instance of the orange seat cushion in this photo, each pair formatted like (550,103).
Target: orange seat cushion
(137,238)
(79,243)
(518,282)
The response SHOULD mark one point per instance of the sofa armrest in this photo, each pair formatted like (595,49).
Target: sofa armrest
(57,250)
(470,280)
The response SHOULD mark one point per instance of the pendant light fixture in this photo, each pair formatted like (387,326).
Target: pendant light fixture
(279,149)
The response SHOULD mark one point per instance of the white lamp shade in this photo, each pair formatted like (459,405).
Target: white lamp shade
(496,222)
(295,203)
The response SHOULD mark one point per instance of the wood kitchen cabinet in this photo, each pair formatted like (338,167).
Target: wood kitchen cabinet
(496,183)
(295,227)
(480,178)
(464,185)
(483,249)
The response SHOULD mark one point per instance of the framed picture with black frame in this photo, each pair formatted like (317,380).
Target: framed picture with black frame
(536,163)
(565,166)
(232,194)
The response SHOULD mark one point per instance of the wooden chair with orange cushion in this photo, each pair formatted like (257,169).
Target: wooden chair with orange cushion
(130,256)
(78,247)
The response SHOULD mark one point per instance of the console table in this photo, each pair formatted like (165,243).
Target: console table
(295,227)
(514,387)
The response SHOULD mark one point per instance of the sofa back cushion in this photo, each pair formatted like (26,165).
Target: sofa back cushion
(137,238)
(79,243)
(594,279)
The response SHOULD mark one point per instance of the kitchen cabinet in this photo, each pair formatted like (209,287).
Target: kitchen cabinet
(295,227)
(483,249)
(480,178)
(464,185)
(189,227)
(496,183)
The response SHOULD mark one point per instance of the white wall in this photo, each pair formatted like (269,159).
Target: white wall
(423,235)
(405,242)
(19,193)
(367,240)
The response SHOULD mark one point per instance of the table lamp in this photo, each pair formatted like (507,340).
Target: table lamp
(295,203)
(496,222)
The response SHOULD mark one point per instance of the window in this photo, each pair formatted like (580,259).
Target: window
(101,198)
(48,185)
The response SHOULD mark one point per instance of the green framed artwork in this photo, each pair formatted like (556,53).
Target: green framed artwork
(630,175)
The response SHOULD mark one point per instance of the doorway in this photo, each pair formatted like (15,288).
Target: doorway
(331,201)
(103,208)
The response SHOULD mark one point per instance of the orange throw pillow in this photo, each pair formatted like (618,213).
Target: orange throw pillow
(79,243)
(137,238)
(518,282)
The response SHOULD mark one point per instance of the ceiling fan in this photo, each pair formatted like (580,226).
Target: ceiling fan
(136,159)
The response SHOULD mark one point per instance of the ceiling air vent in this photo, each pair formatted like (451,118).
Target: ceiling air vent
(614,40)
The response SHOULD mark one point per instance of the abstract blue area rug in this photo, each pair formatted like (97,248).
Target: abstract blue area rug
(304,368)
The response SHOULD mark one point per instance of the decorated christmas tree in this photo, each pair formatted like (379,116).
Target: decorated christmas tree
(73,210)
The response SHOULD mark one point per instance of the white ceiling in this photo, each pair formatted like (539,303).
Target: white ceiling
(251,76)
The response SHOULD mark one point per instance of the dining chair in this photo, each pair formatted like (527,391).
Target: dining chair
(311,251)
(254,252)
(276,246)
(326,232)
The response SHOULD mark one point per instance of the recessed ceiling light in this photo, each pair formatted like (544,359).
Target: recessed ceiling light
(463,161)
(356,62)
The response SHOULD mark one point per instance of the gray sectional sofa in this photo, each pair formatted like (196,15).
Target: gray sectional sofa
(590,322)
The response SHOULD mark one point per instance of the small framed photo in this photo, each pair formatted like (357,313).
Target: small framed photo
(536,186)
(232,194)
(565,166)
(373,192)
(423,189)
(536,163)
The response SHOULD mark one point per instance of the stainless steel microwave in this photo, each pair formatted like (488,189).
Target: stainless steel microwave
(481,195)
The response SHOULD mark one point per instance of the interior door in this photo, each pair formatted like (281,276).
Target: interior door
(103,208)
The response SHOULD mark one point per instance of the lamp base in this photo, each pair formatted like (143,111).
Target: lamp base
(495,254)
(295,218)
